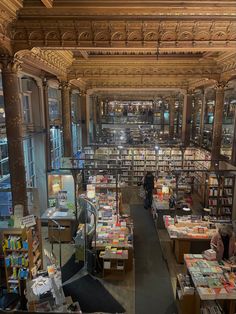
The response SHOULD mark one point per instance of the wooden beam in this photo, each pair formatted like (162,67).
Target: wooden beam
(84,54)
(48,3)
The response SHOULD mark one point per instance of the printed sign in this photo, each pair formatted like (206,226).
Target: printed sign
(28,221)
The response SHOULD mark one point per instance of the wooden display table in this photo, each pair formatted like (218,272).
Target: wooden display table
(128,248)
(184,246)
(222,290)
(188,236)
(114,263)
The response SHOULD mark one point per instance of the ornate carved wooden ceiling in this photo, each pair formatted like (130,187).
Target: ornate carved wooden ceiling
(134,44)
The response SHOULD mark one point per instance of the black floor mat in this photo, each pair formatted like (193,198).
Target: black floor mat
(92,296)
(70,268)
(153,290)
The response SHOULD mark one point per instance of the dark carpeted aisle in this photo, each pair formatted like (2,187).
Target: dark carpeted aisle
(153,290)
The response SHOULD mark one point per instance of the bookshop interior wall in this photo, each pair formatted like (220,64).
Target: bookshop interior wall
(110,109)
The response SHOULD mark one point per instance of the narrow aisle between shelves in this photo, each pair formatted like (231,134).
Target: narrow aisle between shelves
(153,290)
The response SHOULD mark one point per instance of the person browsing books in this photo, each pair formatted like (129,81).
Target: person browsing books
(148,185)
(223,242)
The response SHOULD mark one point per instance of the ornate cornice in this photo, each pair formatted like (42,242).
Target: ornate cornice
(156,67)
(193,35)
(9,8)
(157,73)
(8,11)
(47,3)
(132,7)
(227,62)
(138,82)
(54,62)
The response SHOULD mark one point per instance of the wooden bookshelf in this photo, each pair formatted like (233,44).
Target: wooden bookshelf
(134,161)
(22,249)
(220,195)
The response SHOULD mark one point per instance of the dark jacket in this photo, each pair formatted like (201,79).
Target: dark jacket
(148,182)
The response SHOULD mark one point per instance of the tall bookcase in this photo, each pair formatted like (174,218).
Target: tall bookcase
(22,250)
(220,195)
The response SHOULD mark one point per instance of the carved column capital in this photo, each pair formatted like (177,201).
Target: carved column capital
(65,85)
(83,93)
(220,86)
(190,92)
(10,64)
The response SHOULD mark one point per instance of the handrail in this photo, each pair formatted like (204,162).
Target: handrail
(54,238)
(93,229)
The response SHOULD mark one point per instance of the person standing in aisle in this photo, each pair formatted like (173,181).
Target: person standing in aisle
(148,185)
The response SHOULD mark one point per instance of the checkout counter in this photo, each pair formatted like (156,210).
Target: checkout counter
(61,223)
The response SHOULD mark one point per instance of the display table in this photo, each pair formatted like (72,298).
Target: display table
(112,236)
(188,235)
(65,218)
(160,208)
(114,261)
(212,281)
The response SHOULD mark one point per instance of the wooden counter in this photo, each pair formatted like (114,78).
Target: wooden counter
(185,246)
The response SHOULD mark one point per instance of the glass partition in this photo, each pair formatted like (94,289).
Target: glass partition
(61,189)
(178,117)
(5,199)
(54,104)
(208,118)
(196,118)
(228,123)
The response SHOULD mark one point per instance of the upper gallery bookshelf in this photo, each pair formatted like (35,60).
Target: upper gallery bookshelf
(135,161)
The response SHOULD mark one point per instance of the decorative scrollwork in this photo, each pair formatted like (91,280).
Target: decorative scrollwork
(10,64)
(219,86)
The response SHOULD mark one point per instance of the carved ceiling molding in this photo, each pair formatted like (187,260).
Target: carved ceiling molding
(78,83)
(228,65)
(53,62)
(134,74)
(115,71)
(142,8)
(9,8)
(48,3)
(202,82)
(139,82)
(114,94)
(168,34)
(8,11)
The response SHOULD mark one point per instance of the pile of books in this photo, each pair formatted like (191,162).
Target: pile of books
(211,279)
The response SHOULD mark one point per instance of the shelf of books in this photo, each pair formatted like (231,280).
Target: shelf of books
(135,161)
(202,163)
(220,195)
(22,250)
(185,293)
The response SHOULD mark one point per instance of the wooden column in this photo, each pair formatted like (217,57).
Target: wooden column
(66,118)
(217,127)
(186,119)
(171,117)
(84,119)
(14,130)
